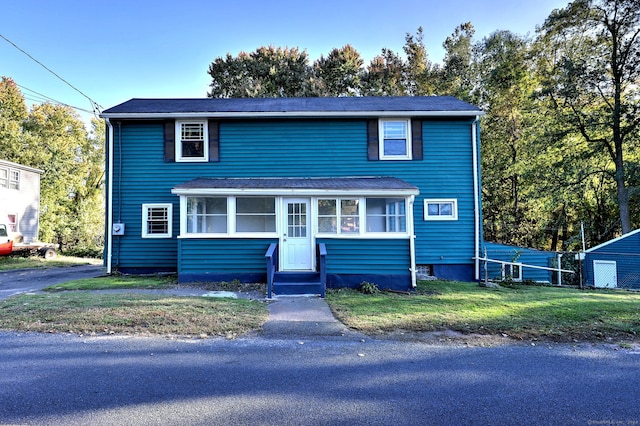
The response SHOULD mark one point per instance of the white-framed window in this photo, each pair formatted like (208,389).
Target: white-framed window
(207,215)
(386,215)
(12,222)
(4,177)
(346,216)
(192,141)
(9,178)
(255,214)
(339,215)
(512,271)
(221,215)
(441,209)
(157,220)
(395,139)
(14,179)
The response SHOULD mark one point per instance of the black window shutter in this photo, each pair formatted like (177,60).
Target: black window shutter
(214,141)
(373,151)
(416,140)
(169,141)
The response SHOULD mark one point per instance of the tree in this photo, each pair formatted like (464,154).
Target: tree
(418,79)
(455,77)
(590,62)
(505,92)
(267,72)
(55,141)
(339,74)
(13,112)
(384,75)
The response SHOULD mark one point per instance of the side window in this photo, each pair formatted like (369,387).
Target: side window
(14,179)
(4,178)
(512,271)
(395,139)
(386,215)
(440,209)
(192,141)
(156,220)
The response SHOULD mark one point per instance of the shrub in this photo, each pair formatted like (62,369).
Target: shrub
(368,288)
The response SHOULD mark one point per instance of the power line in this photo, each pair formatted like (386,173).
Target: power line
(44,98)
(96,107)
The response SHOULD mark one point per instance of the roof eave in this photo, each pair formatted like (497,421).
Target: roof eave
(295,191)
(291,114)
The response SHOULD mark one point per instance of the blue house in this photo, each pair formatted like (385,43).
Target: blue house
(333,190)
(615,263)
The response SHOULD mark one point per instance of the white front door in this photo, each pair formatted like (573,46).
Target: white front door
(296,253)
(604,273)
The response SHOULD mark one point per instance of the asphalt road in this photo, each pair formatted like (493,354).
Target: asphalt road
(71,380)
(30,280)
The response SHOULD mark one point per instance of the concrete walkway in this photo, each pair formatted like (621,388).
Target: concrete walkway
(303,317)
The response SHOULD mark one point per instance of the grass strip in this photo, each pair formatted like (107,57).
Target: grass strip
(521,312)
(90,313)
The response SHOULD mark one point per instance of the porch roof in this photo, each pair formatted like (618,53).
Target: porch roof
(283,186)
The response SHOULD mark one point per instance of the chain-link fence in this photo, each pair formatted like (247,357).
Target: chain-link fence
(609,269)
(509,263)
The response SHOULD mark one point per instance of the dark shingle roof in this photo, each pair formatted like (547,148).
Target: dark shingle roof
(291,106)
(342,183)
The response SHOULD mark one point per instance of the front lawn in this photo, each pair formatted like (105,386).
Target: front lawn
(520,312)
(73,308)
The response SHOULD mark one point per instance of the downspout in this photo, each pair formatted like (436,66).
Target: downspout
(412,244)
(109,196)
(476,197)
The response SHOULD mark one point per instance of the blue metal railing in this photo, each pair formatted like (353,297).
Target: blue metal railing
(272,266)
(322,267)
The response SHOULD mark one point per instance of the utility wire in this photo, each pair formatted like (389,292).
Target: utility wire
(96,107)
(39,97)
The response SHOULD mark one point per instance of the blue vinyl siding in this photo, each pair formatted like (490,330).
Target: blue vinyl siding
(359,256)
(223,256)
(523,255)
(293,148)
(626,253)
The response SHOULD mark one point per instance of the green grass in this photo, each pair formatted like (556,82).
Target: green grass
(116,282)
(89,313)
(8,263)
(521,312)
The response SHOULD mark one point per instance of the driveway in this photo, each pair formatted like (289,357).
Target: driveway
(30,280)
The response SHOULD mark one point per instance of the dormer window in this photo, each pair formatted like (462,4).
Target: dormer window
(192,141)
(395,139)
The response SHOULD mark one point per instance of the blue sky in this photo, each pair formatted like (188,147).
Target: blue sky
(116,50)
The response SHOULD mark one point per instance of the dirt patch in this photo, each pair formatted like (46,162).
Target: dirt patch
(451,337)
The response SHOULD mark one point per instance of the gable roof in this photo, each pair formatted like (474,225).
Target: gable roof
(20,166)
(294,107)
(615,240)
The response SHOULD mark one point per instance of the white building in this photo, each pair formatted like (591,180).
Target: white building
(20,199)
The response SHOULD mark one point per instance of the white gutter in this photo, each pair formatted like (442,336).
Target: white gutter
(476,197)
(109,197)
(290,114)
(412,243)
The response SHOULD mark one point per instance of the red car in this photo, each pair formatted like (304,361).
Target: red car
(6,242)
